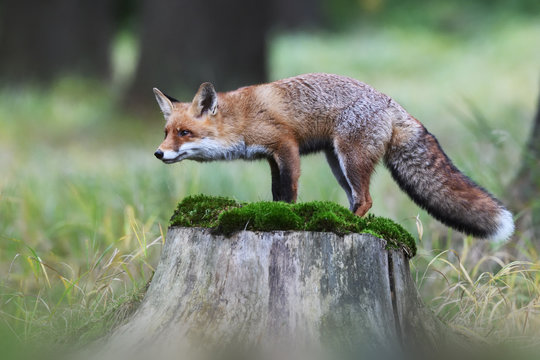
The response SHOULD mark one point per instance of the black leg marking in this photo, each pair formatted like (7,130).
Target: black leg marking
(287,159)
(276,187)
(286,184)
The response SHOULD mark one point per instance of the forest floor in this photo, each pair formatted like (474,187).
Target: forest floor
(84,204)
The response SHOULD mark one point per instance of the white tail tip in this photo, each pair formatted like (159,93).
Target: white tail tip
(505,228)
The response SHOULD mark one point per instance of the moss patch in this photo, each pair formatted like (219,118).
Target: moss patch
(226,216)
(201,211)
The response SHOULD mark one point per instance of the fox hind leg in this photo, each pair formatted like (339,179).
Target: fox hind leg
(357,169)
(333,161)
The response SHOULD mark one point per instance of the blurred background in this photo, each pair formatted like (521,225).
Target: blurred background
(84,204)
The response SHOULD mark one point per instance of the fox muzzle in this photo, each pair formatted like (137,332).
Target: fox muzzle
(159,154)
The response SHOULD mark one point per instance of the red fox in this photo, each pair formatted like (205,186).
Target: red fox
(355,126)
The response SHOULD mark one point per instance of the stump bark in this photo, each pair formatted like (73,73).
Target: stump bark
(278,290)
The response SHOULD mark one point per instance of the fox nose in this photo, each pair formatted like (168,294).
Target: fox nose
(159,154)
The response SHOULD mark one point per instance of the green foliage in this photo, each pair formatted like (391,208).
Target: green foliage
(444,16)
(227,216)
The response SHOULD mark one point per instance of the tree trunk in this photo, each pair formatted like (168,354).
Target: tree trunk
(40,40)
(262,291)
(185,43)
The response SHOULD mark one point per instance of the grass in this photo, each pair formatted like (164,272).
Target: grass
(484,297)
(84,205)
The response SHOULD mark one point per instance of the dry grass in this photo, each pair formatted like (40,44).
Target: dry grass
(485,297)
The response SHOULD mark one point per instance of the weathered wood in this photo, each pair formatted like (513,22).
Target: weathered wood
(269,290)
(418,327)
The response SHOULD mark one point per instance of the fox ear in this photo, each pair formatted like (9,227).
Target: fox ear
(165,102)
(205,100)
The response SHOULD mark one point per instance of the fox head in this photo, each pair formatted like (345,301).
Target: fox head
(190,128)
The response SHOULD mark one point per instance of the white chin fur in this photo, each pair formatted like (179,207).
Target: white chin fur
(505,228)
(170,155)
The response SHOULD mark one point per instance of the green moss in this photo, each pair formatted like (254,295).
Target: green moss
(259,216)
(393,233)
(201,211)
(226,216)
(328,216)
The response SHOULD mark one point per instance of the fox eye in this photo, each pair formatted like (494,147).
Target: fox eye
(184,132)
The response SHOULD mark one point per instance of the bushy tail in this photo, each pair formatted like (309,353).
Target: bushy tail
(427,175)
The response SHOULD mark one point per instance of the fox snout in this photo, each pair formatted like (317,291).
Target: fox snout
(169,156)
(159,154)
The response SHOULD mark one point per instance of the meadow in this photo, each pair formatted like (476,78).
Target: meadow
(84,205)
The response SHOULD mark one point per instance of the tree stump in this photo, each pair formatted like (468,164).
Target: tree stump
(262,291)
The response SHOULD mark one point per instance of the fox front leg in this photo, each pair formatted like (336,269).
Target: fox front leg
(285,169)
(276,183)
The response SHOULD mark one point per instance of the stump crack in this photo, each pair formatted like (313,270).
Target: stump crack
(392,283)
